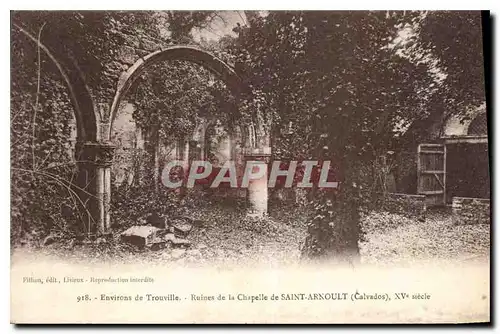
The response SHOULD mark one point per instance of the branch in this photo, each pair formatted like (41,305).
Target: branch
(60,181)
(56,177)
(37,96)
(46,157)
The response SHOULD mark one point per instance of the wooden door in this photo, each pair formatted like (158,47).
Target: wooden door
(431,167)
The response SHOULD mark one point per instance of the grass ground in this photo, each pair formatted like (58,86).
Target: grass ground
(227,237)
(459,293)
(394,239)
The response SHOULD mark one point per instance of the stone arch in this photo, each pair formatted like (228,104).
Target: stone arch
(478,126)
(460,124)
(81,99)
(188,53)
(92,157)
(257,190)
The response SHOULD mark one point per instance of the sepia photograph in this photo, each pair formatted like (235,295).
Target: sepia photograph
(250,167)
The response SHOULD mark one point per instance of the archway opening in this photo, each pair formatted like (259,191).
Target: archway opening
(164,115)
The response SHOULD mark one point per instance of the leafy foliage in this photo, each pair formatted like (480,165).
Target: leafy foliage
(41,151)
(42,126)
(92,39)
(455,38)
(174,96)
(344,84)
(339,86)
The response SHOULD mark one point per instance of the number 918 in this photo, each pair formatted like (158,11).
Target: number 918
(82,298)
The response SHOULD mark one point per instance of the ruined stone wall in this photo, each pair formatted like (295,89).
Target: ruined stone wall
(136,46)
(468,210)
(411,206)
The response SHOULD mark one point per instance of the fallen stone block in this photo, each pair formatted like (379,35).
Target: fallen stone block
(157,244)
(142,236)
(179,242)
(175,242)
(182,229)
(169,237)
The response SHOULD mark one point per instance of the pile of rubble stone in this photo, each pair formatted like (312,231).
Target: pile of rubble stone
(156,232)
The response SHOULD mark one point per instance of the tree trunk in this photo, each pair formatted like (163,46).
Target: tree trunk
(334,232)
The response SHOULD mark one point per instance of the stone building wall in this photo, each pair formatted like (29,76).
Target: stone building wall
(412,206)
(468,210)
